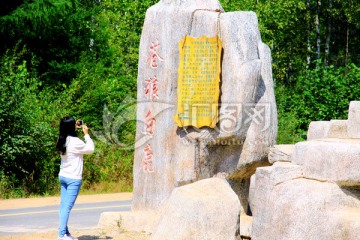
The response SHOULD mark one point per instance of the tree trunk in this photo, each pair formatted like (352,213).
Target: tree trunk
(328,37)
(308,56)
(317,23)
(347,46)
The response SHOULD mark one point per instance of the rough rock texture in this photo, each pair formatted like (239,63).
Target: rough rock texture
(317,195)
(245,226)
(330,161)
(266,177)
(337,129)
(354,120)
(252,189)
(248,119)
(281,153)
(208,209)
(288,205)
(130,221)
(318,130)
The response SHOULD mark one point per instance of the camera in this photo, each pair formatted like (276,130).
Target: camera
(80,123)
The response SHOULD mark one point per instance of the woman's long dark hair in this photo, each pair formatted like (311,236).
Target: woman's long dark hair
(67,128)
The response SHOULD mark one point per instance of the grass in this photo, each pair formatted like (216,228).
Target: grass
(109,187)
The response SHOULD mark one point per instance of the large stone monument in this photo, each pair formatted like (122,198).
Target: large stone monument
(168,156)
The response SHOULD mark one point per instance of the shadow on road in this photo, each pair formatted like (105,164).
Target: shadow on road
(92,237)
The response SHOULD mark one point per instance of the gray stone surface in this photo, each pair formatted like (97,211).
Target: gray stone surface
(288,205)
(281,153)
(318,130)
(354,120)
(337,129)
(207,209)
(347,223)
(245,226)
(252,190)
(248,119)
(265,178)
(140,221)
(261,134)
(336,161)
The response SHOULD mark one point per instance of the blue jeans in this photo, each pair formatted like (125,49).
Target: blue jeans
(69,191)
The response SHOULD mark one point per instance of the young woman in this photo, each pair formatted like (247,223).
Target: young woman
(71,150)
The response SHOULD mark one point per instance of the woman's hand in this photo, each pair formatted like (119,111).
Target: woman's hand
(85,129)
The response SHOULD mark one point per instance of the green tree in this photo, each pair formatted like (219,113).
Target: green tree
(54,31)
(25,137)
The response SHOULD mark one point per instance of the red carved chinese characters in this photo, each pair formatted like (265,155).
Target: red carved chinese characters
(147,161)
(149,124)
(151,93)
(154,55)
(151,89)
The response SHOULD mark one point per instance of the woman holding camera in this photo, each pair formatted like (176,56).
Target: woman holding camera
(71,150)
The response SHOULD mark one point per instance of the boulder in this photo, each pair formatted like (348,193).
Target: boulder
(337,129)
(318,130)
(353,128)
(289,205)
(337,161)
(245,226)
(139,221)
(252,189)
(347,223)
(265,177)
(281,153)
(208,209)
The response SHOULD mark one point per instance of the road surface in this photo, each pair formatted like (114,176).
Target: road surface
(43,214)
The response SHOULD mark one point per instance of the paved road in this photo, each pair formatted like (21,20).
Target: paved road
(35,219)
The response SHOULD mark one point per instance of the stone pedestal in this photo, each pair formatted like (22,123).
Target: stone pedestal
(353,129)
(333,160)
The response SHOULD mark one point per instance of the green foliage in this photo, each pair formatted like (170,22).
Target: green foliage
(289,131)
(56,32)
(288,27)
(24,138)
(36,17)
(79,57)
(281,26)
(323,93)
(326,93)
(107,164)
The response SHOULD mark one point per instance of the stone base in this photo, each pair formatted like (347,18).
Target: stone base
(347,223)
(330,160)
(130,221)
(245,226)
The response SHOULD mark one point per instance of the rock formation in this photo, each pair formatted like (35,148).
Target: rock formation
(207,209)
(167,156)
(315,193)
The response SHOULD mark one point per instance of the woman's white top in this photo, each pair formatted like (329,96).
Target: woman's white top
(72,162)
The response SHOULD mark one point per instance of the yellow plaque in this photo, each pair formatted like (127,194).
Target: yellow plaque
(198,84)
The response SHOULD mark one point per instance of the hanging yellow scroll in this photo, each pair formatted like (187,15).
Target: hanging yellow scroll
(198,82)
